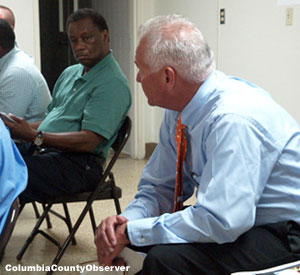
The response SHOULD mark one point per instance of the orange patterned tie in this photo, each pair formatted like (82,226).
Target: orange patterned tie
(181,152)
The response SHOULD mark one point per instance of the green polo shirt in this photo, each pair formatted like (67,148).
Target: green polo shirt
(97,101)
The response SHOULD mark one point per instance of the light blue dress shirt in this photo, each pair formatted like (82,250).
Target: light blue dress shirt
(244,155)
(23,90)
(13,173)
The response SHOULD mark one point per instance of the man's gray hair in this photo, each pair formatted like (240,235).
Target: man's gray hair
(174,41)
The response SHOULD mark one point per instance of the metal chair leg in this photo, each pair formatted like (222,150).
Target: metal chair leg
(33,232)
(70,237)
(68,222)
(113,187)
(36,211)
(49,225)
(93,222)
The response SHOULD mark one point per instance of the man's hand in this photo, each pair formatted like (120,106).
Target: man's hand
(122,241)
(78,141)
(111,238)
(20,129)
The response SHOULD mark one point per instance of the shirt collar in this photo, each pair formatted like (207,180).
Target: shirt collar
(202,96)
(101,65)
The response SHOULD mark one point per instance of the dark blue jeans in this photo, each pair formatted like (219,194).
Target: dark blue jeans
(53,173)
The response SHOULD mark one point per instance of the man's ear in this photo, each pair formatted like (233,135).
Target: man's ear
(105,34)
(170,76)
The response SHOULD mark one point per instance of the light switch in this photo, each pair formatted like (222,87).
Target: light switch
(222,16)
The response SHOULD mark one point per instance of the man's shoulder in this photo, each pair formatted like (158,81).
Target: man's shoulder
(72,69)
(21,62)
(109,74)
(19,57)
(110,70)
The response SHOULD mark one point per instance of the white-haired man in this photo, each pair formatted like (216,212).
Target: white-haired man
(242,155)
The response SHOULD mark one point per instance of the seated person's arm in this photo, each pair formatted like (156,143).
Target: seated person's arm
(81,141)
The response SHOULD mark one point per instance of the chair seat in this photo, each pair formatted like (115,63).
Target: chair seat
(103,195)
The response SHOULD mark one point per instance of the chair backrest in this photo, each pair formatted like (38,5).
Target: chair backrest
(119,143)
(123,134)
(9,225)
(117,146)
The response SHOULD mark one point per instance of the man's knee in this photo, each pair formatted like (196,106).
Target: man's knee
(187,259)
(157,261)
(161,257)
(156,254)
(176,259)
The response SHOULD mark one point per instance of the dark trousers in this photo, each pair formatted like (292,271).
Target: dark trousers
(53,173)
(259,248)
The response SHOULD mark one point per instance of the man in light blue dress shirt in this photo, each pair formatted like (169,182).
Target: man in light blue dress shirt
(23,89)
(243,163)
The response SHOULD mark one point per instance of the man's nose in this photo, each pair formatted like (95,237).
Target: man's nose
(79,45)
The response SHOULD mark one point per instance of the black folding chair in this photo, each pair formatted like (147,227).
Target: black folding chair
(106,189)
(9,226)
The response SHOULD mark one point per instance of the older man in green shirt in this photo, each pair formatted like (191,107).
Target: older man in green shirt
(90,102)
(83,101)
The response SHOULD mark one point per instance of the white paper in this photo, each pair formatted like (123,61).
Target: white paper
(285,269)
(132,258)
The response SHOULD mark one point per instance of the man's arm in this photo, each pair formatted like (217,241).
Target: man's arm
(35,125)
(156,189)
(232,175)
(82,141)
(155,197)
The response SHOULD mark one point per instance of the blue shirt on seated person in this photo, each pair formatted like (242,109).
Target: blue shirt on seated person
(13,173)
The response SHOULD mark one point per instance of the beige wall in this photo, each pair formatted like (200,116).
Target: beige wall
(27,26)
(256,44)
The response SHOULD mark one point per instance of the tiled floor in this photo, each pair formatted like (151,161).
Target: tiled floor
(127,173)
